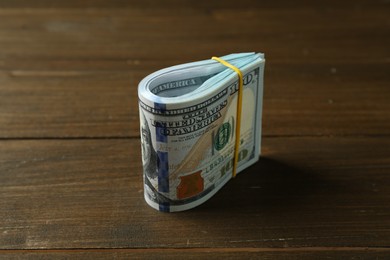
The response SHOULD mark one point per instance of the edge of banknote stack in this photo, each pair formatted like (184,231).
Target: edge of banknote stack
(188,118)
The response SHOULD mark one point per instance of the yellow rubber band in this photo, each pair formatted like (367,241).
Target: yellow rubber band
(239,109)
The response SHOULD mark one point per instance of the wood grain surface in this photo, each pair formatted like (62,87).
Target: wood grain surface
(70,170)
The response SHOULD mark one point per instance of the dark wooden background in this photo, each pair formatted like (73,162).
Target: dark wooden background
(70,170)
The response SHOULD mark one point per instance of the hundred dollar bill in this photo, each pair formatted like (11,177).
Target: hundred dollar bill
(187,126)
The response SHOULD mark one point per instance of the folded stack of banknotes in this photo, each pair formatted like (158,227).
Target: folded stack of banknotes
(188,116)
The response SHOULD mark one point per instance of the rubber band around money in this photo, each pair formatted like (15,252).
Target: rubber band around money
(239,109)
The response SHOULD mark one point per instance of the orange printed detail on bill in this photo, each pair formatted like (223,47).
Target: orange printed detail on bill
(190,185)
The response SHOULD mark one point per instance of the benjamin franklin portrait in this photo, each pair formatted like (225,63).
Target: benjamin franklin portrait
(149,155)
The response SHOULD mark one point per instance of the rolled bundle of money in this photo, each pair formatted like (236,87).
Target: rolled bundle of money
(188,123)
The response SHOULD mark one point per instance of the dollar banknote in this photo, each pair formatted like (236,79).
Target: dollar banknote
(188,118)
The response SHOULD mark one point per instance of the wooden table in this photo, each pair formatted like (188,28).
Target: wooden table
(70,169)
